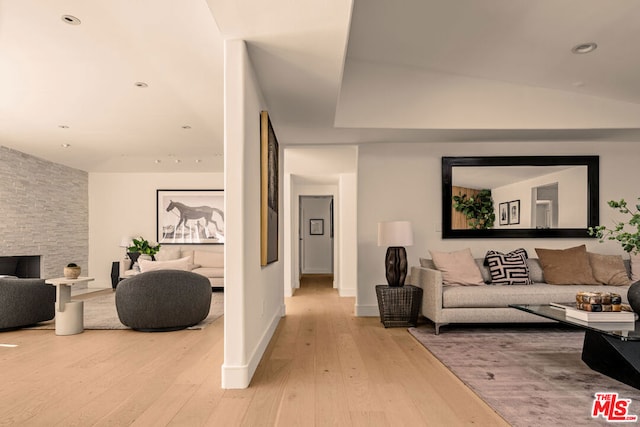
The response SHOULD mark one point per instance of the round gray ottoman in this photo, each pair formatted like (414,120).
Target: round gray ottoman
(163,300)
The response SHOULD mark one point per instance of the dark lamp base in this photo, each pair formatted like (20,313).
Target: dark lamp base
(396,265)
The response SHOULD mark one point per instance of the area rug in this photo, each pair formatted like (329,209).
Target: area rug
(100,313)
(530,376)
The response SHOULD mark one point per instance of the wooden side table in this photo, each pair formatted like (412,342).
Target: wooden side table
(399,305)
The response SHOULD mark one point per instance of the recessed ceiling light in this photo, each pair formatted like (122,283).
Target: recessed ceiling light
(65,145)
(63,126)
(70,19)
(186,127)
(198,160)
(140,84)
(178,161)
(158,161)
(584,48)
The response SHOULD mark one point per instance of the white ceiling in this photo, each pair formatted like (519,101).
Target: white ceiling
(410,70)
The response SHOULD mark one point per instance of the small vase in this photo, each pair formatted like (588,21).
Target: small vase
(71,272)
(633,295)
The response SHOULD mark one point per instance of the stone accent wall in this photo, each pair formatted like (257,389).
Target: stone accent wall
(44,210)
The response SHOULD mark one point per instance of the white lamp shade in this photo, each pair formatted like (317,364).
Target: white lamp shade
(125,242)
(395,233)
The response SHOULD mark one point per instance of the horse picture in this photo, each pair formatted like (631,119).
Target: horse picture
(190,217)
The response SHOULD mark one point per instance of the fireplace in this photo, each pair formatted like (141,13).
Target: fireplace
(27,266)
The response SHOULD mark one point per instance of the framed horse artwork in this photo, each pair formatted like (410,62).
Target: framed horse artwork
(190,217)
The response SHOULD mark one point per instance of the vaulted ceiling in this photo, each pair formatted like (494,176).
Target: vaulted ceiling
(332,72)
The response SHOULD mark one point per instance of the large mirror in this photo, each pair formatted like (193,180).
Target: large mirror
(519,196)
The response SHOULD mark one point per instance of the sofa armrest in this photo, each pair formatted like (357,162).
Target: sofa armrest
(125,264)
(431,283)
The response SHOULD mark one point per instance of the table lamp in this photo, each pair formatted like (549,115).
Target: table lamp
(125,242)
(395,235)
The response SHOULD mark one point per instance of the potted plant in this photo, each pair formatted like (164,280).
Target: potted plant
(628,235)
(142,246)
(478,209)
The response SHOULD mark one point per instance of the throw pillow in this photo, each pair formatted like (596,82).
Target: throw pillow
(635,267)
(566,266)
(508,269)
(174,264)
(609,269)
(458,268)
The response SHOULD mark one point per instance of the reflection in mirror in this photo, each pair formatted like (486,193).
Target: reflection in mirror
(541,196)
(548,195)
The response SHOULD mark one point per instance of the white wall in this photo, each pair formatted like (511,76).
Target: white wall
(572,191)
(254,297)
(124,204)
(403,182)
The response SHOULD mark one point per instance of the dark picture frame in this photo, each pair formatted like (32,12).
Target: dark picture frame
(190,217)
(316,227)
(269,189)
(503,213)
(514,212)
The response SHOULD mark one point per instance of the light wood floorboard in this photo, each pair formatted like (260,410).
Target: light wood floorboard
(324,367)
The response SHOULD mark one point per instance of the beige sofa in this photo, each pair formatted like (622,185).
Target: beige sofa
(490,303)
(207,263)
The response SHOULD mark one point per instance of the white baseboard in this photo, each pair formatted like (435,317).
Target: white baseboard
(370,310)
(239,376)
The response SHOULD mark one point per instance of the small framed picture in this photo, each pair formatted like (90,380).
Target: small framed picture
(514,212)
(316,227)
(504,213)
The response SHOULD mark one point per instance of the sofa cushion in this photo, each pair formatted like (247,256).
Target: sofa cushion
(609,269)
(208,258)
(174,264)
(210,271)
(168,253)
(566,266)
(634,262)
(535,270)
(502,296)
(508,269)
(458,268)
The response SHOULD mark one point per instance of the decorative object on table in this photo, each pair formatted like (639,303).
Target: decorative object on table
(628,235)
(598,301)
(316,227)
(72,271)
(269,166)
(142,246)
(395,235)
(190,217)
(477,208)
(399,306)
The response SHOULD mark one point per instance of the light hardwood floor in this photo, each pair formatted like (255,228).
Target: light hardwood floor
(323,367)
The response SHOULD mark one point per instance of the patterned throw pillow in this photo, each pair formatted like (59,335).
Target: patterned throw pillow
(508,269)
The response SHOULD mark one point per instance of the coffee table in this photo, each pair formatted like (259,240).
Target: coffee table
(69,314)
(613,349)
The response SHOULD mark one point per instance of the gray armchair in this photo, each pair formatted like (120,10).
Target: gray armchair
(24,302)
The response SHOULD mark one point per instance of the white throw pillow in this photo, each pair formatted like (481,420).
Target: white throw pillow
(174,264)
(458,268)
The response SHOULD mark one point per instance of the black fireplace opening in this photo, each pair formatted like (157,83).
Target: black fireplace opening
(26,266)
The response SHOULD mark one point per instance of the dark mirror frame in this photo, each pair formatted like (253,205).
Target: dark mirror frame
(593,198)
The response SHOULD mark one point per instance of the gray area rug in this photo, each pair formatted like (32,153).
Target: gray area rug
(531,376)
(100,313)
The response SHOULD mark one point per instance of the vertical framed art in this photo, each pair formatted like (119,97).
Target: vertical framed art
(269,163)
(514,212)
